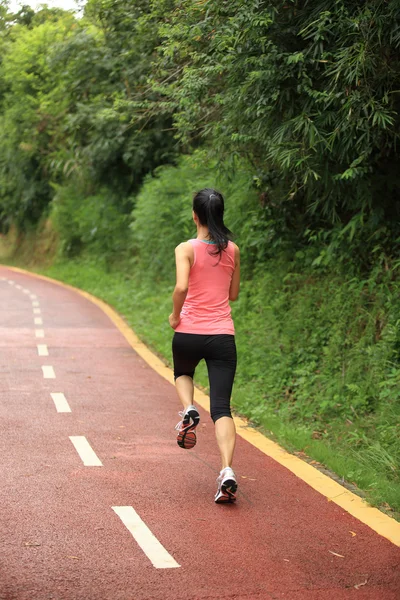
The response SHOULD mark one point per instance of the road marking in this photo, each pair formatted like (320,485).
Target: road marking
(382,524)
(42,350)
(35,303)
(148,542)
(61,402)
(37,311)
(39,333)
(38,321)
(48,372)
(85,451)
(18,287)
(33,297)
(25,291)
(11,282)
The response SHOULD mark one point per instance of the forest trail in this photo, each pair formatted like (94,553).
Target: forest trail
(99,502)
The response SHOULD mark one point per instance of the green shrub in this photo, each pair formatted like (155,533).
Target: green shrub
(93,223)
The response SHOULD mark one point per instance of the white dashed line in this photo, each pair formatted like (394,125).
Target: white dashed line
(48,372)
(85,451)
(11,282)
(33,297)
(25,291)
(39,333)
(61,402)
(35,303)
(38,321)
(37,311)
(18,287)
(148,542)
(42,350)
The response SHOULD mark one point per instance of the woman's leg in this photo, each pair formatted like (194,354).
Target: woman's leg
(186,353)
(225,432)
(185,390)
(221,364)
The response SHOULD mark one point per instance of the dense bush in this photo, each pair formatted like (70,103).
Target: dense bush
(308,91)
(66,90)
(93,224)
(305,92)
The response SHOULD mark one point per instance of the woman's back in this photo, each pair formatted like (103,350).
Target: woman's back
(206,309)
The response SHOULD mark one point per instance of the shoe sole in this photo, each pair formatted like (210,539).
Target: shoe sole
(186,440)
(187,437)
(228,491)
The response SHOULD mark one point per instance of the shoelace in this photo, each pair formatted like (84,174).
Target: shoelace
(178,426)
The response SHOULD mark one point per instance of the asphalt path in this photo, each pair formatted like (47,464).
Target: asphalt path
(99,503)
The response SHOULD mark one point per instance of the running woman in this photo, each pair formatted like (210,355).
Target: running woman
(207,278)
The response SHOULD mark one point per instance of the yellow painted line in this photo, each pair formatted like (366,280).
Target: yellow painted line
(383,524)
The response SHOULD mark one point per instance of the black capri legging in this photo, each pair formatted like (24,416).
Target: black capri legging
(219,352)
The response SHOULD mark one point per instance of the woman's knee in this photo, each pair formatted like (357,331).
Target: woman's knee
(220,411)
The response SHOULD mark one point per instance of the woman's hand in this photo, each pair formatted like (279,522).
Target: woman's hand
(174,321)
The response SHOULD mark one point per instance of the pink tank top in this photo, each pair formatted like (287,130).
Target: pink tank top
(206,309)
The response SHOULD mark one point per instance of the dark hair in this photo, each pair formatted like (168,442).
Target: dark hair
(208,204)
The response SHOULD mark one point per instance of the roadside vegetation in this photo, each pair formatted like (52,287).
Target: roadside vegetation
(110,122)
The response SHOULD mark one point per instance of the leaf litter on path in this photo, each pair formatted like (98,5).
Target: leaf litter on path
(32,544)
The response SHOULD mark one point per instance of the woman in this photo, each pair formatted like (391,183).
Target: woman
(207,277)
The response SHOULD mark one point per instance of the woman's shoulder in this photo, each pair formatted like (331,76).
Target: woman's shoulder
(185,248)
(234,247)
(184,245)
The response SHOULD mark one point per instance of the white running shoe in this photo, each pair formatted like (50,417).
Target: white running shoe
(227,486)
(190,419)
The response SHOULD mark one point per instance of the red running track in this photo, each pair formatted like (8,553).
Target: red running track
(60,538)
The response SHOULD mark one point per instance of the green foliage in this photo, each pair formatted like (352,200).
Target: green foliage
(305,93)
(93,223)
(70,107)
(306,90)
(25,131)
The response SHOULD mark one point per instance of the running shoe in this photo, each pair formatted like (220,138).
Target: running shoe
(186,428)
(227,486)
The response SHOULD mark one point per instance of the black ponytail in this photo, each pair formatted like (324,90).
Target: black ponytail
(208,204)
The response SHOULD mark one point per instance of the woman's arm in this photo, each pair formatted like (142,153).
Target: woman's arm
(235,283)
(183,259)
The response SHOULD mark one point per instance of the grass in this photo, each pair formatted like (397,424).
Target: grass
(367,466)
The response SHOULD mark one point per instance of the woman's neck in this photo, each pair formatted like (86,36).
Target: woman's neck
(202,232)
